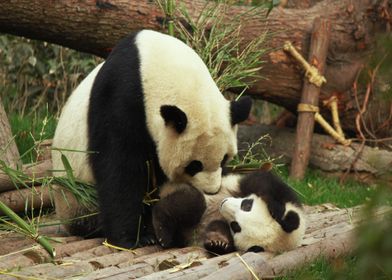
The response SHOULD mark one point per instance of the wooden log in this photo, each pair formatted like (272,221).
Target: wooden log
(325,154)
(92,253)
(35,170)
(8,150)
(333,247)
(69,267)
(38,255)
(96,27)
(205,268)
(27,199)
(148,264)
(310,95)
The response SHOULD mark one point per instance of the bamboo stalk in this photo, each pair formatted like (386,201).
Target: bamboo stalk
(28,229)
(332,103)
(170,14)
(311,72)
(328,128)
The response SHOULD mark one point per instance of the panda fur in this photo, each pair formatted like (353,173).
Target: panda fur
(151,104)
(254,212)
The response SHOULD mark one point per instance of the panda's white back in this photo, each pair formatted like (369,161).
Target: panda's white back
(71,131)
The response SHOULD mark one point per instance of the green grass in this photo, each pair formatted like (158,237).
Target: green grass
(324,269)
(317,189)
(30,129)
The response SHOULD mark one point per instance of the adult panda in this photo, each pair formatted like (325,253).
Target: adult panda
(150,108)
(254,212)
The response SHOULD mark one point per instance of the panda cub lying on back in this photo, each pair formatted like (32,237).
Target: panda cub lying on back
(254,212)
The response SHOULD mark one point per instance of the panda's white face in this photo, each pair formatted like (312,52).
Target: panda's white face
(190,121)
(250,221)
(197,160)
(253,226)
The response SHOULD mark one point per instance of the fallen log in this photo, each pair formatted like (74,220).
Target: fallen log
(205,268)
(27,199)
(35,170)
(95,27)
(325,153)
(280,265)
(37,255)
(148,264)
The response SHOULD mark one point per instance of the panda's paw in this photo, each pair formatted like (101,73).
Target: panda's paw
(218,243)
(148,240)
(164,237)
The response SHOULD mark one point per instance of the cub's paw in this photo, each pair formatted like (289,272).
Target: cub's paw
(218,243)
(164,236)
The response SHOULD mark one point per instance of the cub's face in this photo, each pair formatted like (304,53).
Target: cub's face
(250,222)
(193,150)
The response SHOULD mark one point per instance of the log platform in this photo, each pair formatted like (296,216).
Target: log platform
(330,233)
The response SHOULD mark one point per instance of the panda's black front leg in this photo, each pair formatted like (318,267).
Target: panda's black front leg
(175,213)
(121,183)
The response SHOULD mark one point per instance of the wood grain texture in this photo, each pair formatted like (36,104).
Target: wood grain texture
(310,95)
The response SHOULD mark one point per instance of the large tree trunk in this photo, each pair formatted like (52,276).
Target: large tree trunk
(95,27)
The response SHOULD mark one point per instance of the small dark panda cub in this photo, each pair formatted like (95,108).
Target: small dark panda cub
(255,212)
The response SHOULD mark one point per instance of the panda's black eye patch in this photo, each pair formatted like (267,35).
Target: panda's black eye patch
(193,168)
(255,249)
(223,162)
(235,227)
(246,205)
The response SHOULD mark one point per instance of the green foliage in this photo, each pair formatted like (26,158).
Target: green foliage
(34,73)
(233,62)
(31,129)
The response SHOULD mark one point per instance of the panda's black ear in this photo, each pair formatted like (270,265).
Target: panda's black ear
(240,109)
(174,117)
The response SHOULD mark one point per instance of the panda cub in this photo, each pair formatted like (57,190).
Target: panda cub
(254,212)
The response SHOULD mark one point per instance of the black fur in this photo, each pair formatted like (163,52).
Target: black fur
(235,227)
(255,249)
(240,109)
(176,213)
(117,132)
(275,193)
(218,238)
(174,117)
(193,168)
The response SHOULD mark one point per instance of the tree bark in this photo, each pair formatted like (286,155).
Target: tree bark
(95,28)
(8,150)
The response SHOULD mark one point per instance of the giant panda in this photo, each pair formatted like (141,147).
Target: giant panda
(253,212)
(150,110)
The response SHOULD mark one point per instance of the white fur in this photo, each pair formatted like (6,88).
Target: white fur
(258,228)
(173,74)
(71,131)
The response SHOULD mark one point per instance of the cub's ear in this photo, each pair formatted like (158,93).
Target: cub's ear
(174,117)
(240,109)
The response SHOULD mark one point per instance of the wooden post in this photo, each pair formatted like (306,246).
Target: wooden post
(310,95)
(8,150)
